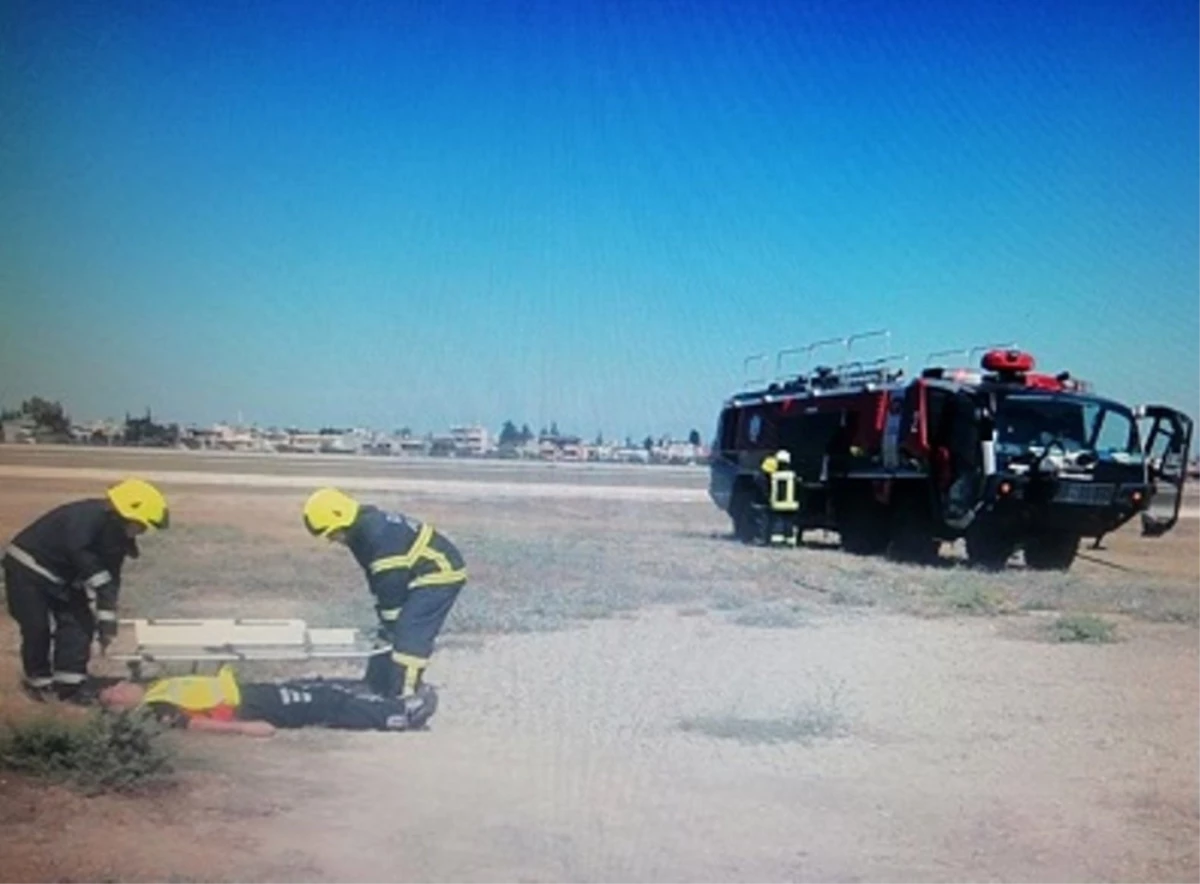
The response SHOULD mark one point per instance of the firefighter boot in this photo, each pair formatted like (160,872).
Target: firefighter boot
(81,693)
(421,706)
(39,690)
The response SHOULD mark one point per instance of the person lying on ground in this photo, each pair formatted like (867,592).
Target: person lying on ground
(224,704)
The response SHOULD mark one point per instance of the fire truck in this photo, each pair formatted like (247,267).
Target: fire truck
(996,454)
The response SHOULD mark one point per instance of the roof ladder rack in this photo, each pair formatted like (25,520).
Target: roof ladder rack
(883,370)
(809,349)
(757,381)
(968,352)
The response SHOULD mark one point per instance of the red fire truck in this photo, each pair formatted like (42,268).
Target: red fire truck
(1001,456)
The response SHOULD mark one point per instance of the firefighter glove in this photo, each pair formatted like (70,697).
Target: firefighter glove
(383,634)
(107,631)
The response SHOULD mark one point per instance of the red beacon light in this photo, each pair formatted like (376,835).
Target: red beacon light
(1007,361)
(1016,366)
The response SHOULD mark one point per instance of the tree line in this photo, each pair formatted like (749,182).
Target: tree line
(51,423)
(510,436)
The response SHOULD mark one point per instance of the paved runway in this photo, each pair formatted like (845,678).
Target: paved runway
(464,478)
(302,465)
(416,475)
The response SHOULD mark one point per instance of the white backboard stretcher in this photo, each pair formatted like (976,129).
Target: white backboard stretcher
(220,641)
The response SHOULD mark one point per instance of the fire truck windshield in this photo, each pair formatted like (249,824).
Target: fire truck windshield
(1025,422)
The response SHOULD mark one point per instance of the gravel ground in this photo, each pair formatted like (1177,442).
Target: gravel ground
(680,747)
(629,695)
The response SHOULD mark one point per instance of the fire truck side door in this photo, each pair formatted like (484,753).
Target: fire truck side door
(1167,443)
(966,456)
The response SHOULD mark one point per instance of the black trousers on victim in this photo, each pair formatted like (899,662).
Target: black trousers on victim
(317,703)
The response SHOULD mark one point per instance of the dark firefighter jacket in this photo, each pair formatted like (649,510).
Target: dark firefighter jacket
(79,544)
(400,554)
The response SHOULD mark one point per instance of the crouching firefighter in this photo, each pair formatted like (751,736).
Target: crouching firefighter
(414,573)
(54,566)
(782,505)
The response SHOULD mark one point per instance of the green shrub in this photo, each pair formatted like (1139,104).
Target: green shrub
(106,752)
(819,717)
(1083,628)
(771,616)
(977,600)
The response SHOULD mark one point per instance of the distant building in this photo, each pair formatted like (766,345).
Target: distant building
(20,429)
(561,448)
(474,441)
(410,445)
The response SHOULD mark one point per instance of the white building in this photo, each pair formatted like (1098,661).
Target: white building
(471,440)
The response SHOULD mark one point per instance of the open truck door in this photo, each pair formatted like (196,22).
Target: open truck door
(1168,441)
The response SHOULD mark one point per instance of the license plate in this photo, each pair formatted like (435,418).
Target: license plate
(1084,493)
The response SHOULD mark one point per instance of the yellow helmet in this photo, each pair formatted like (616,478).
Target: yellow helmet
(140,502)
(329,510)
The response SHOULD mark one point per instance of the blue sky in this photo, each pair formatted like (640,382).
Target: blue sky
(418,213)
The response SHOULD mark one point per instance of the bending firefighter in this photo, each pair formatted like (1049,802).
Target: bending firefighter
(54,565)
(224,704)
(414,572)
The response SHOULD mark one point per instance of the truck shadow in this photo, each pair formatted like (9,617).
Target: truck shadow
(946,561)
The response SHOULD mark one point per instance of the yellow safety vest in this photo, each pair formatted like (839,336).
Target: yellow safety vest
(196,693)
(783,491)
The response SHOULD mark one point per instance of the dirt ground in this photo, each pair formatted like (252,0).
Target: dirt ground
(628,695)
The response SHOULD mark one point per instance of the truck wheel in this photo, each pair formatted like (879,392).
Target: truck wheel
(911,541)
(745,518)
(989,549)
(1051,552)
(864,531)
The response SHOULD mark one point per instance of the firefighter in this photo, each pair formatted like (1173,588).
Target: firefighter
(53,566)
(782,505)
(225,704)
(414,573)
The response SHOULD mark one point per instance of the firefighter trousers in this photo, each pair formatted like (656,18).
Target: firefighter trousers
(332,704)
(413,636)
(57,627)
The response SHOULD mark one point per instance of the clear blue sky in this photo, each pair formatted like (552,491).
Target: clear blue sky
(418,213)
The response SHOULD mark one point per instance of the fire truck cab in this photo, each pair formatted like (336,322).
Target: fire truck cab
(1000,456)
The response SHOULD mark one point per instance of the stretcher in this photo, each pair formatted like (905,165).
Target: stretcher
(223,641)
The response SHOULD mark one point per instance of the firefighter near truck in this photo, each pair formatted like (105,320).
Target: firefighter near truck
(1000,456)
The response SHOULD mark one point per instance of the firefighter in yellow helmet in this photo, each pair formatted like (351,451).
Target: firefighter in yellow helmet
(414,573)
(782,505)
(56,564)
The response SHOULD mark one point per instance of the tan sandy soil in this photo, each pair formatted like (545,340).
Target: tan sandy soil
(960,748)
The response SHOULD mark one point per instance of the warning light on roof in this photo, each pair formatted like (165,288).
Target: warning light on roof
(1007,361)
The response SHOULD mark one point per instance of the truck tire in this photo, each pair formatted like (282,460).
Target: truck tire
(864,530)
(745,517)
(911,540)
(908,530)
(1051,552)
(989,550)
